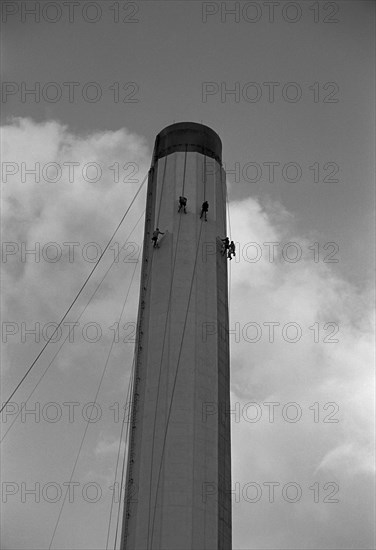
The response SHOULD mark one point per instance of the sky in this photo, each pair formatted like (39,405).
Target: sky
(289,88)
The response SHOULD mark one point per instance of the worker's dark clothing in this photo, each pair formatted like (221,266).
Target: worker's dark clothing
(204,209)
(182,204)
(231,250)
(226,245)
(156,234)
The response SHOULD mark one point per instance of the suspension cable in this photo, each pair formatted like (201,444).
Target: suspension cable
(78,318)
(228,211)
(163,180)
(162,353)
(229,226)
(174,383)
(121,433)
(204,178)
(184,169)
(144,284)
(89,421)
(76,297)
(126,447)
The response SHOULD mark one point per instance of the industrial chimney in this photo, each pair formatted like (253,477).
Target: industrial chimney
(178,486)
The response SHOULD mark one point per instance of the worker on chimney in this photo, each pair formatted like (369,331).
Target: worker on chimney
(156,234)
(226,245)
(182,204)
(231,251)
(204,209)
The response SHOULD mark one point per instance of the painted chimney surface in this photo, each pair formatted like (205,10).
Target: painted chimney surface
(178,488)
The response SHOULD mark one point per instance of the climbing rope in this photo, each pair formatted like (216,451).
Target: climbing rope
(162,353)
(161,195)
(76,321)
(173,388)
(75,299)
(93,403)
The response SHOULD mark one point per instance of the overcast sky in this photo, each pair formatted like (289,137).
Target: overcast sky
(289,87)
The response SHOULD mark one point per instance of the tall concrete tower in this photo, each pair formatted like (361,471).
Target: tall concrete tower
(178,487)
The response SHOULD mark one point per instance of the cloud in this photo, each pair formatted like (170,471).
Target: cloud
(301,335)
(53,231)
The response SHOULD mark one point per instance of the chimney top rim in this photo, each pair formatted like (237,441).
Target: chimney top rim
(190,136)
